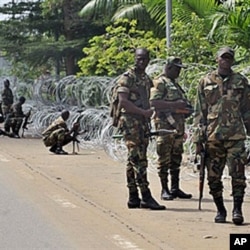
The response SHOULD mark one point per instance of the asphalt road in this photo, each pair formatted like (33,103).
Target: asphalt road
(79,202)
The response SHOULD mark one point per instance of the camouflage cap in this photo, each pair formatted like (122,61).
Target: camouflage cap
(175,61)
(225,50)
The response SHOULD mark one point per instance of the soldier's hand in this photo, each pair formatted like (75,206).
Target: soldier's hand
(76,126)
(180,104)
(199,148)
(148,113)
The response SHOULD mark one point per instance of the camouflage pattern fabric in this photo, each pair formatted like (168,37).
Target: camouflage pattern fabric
(135,128)
(7,100)
(221,120)
(14,118)
(235,154)
(170,153)
(223,107)
(55,133)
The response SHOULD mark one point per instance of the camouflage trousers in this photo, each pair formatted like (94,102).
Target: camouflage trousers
(169,149)
(134,133)
(222,153)
(13,123)
(58,136)
(6,109)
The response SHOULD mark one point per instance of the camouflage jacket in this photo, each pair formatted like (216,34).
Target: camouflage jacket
(56,124)
(168,90)
(137,86)
(222,109)
(7,97)
(17,110)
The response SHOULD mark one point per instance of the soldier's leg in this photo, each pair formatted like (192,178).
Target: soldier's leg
(16,126)
(215,162)
(141,177)
(7,123)
(137,160)
(163,149)
(58,136)
(237,158)
(176,159)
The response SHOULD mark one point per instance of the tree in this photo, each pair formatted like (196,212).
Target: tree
(113,52)
(45,34)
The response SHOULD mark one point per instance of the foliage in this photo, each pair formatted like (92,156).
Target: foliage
(45,35)
(112,53)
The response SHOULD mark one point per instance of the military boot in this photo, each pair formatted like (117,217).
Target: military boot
(165,193)
(134,201)
(59,150)
(175,190)
(149,202)
(53,148)
(237,212)
(221,210)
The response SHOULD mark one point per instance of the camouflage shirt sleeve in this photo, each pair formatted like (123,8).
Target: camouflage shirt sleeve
(222,107)
(200,115)
(158,90)
(245,106)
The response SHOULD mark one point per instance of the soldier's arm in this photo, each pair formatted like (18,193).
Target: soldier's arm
(157,94)
(200,115)
(245,104)
(130,107)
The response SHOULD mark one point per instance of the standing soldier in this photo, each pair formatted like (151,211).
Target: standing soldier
(222,119)
(170,146)
(7,98)
(133,94)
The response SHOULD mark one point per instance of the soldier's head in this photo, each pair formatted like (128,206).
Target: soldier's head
(65,114)
(22,99)
(173,67)
(225,58)
(141,59)
(6,83)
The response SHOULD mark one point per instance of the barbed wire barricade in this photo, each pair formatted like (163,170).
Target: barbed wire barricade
(88,98)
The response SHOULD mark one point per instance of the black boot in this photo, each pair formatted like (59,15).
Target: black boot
(60,151)
(134,201)
(149,202)
(175,190)
(53,148)
(237,212)
(165,193)
(221,210)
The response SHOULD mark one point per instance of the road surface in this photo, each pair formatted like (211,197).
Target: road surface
(79,202)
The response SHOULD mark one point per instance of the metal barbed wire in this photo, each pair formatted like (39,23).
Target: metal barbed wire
(78,94)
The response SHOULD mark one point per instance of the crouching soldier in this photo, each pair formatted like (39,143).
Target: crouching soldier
(58,135)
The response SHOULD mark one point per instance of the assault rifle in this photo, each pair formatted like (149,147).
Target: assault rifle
(186,111)
(159,132)
(201,167)
(77,132)
(1,113)
(26,121)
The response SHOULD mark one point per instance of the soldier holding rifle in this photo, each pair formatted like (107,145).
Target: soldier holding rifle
(170,146)
(222,119)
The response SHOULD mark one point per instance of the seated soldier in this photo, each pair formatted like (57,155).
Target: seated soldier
(58,135)
(14,118)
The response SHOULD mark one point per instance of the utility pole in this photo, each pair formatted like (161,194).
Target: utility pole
(168,21)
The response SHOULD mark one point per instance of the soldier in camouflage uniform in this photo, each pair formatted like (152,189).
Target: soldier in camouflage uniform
(170,103)
(58,135)
(7,98)
(133,93)
(14,118)
(222,119)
